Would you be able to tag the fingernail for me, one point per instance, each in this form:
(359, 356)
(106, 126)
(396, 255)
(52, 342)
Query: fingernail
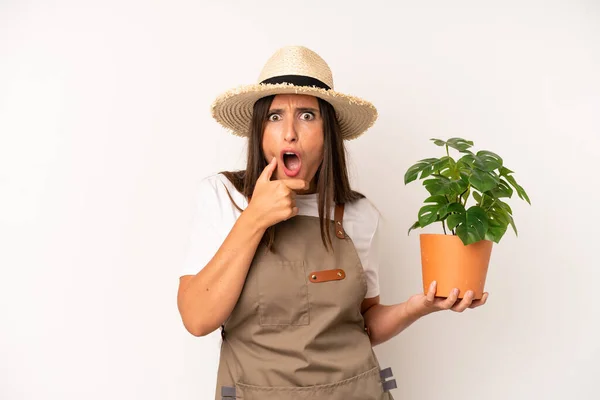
(434, 283)
(455, 291)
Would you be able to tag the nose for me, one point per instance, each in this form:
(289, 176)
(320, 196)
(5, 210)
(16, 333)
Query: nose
(290, 135)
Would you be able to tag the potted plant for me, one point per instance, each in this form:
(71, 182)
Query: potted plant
(460, 256)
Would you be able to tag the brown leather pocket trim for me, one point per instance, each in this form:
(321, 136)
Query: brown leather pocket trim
(327, 275)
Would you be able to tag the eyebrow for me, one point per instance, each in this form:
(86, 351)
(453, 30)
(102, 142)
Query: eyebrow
(299, 109)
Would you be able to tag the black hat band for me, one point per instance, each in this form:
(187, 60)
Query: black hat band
(296, 80)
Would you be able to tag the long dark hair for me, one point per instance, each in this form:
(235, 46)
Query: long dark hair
(333, 184)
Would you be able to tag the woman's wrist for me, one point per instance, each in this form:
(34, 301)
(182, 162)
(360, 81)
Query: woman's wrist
(413, 312)
(249, 220)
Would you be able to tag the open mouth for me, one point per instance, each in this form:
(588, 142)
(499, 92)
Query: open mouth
(291, 163)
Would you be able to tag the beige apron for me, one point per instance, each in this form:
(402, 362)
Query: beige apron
(296, 331)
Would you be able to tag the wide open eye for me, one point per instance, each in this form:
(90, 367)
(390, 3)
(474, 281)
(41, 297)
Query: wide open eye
(274, 117)
(307, 116)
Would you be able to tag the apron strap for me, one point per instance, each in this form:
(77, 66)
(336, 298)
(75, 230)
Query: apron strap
(228, 393)
(338, 217)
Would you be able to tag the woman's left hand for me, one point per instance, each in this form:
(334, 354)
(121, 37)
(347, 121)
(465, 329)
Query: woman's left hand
(420, 305)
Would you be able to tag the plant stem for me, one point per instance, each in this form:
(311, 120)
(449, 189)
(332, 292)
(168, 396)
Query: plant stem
(457, 200)
(461, 195)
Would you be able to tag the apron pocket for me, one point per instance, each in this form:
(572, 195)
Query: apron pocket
(283, 293)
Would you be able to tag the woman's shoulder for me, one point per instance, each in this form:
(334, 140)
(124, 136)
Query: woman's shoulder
(363, 212)
(216, 192)
(215, 183)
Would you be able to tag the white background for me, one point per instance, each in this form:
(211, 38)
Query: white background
(105, 131)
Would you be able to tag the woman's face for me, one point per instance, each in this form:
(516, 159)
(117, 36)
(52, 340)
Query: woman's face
(294, 134)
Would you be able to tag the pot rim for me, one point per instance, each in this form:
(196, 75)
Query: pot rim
(452, 236)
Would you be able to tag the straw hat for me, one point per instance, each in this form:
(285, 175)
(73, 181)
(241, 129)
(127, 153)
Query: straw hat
(298, 70)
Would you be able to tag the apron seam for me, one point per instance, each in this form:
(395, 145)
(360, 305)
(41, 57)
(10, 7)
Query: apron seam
(372, 371)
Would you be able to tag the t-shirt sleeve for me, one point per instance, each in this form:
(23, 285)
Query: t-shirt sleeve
(206, 234)
(372, 263)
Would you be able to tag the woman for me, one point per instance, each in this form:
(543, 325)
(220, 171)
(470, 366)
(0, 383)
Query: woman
(296, 295)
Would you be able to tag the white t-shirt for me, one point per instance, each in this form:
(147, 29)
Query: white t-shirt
(215, 215)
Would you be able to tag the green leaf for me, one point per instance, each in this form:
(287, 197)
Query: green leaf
(428, 170)
(438, 185)
(448, 208)
(442, 185)
(464, 174)
(456, 208)
(483, 180)
(505, 172)
(458, 186)
(500, 213)
(459, 144)
(452, 170)
(439, 142)
(497, 214)
(414, 226)
(458, 216)
(471, 226)
(487, 161)
(477, 219)
(499, 219)
(483, 160)
(513, 225)
(465, 163)
(441, 200)
(502, 190)
(413, 172)
(504, 206)
(486, 201)
(428, 214)
(446, 166)
(441, 165)
(443, 212)
(495, 232)
(520, 191)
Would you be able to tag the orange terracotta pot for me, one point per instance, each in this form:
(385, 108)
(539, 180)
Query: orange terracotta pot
(445, 259)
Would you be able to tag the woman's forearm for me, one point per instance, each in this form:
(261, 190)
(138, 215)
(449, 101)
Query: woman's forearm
(384, 322)
(206, 300)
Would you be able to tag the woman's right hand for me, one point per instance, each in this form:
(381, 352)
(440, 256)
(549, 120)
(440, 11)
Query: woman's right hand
(421, 304)
(274, 201)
